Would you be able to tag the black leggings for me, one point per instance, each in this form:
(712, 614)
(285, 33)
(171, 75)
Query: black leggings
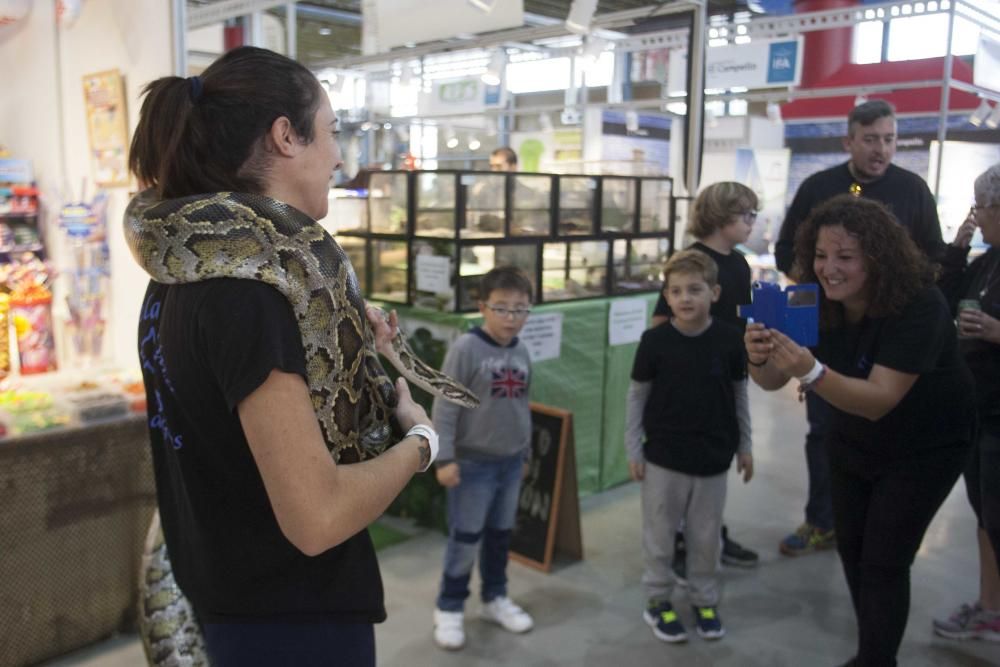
(880, 516)
(299, 644)
(982, 482)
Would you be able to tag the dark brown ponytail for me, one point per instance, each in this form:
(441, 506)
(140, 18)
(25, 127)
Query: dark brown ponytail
(205, 135)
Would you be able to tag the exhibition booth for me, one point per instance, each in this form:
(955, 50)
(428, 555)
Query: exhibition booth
(609, 165)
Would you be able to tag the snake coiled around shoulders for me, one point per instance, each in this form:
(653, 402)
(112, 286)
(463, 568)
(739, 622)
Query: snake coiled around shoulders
(254, 237)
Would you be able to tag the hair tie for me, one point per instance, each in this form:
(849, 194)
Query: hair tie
(194, 88)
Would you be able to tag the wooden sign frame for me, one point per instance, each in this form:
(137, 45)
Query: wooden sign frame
(562, 521)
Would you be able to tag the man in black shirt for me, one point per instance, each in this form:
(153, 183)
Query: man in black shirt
(869, 173)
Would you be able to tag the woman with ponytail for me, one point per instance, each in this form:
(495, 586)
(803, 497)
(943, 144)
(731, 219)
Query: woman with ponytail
(265, 530)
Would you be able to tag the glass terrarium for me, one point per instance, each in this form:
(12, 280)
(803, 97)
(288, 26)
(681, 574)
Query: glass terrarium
(485, 205)
(355, 247)
(389, 270)
(477, 259)
(576, 205)
(388, 198)
(433, 285)
(618, 204)
(435, 195)
(638, 264)
(531, 206)
(347, 211)
(654, 204)
(574, 270)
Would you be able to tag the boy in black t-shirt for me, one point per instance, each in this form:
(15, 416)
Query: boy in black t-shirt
(688, 401)
(722, 218)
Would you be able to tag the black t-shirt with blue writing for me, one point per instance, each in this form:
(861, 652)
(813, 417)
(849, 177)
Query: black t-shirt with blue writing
(205, 347)
(937, 411)
(690, 415)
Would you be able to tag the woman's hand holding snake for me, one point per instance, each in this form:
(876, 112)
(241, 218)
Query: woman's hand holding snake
(408, 412)
(384, 326)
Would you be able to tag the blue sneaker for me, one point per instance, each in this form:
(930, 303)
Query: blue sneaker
(663, 619)
(709, 623)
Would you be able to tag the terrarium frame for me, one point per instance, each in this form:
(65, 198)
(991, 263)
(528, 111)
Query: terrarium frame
(479, 222)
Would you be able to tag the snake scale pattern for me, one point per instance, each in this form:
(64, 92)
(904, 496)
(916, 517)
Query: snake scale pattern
(254, 237)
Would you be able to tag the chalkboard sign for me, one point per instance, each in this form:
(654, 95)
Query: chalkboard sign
(548, 511)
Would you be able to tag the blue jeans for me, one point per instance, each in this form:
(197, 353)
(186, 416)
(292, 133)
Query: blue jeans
(819, 507)
(481, 509)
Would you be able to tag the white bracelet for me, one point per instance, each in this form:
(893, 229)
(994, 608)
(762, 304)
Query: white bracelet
(431, 436)
(812, 375)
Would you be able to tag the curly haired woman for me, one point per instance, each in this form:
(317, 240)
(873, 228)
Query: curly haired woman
(888, 363)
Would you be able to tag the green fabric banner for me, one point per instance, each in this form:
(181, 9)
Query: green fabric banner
(589, 378)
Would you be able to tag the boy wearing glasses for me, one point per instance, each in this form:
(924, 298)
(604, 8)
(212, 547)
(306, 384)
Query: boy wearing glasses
(482, 457)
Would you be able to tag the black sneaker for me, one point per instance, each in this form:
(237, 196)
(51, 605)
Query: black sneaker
(734, 553)
(662, 618)
(709, 623)
(679, 564)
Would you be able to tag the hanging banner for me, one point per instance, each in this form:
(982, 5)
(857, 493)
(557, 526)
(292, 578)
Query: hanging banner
(468, 95)
(762, 63)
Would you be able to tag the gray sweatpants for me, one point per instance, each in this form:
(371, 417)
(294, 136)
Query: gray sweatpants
(671, 499)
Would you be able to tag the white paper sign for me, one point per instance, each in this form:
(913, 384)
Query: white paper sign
(433, 273)
(542, 333)
(626, 321)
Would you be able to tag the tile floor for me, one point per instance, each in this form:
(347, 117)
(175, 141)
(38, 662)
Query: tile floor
(785, 612)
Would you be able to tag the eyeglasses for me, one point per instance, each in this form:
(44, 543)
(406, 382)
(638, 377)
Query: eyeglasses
(516, 313)
(977, 207)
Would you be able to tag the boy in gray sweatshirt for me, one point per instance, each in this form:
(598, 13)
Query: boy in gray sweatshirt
(482, 456)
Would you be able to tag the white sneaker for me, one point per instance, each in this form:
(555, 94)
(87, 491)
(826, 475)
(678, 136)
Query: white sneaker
(449, 629)
(508, 615)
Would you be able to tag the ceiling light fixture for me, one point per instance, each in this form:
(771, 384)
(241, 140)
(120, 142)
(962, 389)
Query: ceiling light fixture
(774, 112)
(581, 13)
(631, 121)
(993, 121)
(981, 113)
(494, 70)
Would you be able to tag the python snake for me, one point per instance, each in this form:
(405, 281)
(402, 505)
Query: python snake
(248, 236)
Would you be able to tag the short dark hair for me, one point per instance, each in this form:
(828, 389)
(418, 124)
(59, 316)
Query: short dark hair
(691, 261)
(205, 134)
(869, 112)
(507, 153)
(896, 267)
(504, 277)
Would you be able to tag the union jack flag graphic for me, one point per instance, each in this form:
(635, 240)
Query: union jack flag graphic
(509, 383)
